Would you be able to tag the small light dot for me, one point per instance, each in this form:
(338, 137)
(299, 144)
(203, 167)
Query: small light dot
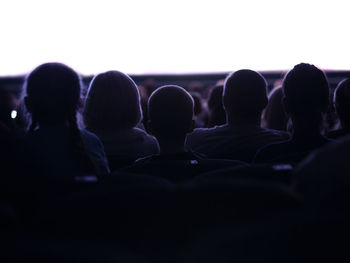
(13, 114)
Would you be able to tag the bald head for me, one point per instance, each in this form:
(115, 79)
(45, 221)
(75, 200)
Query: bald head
(342, 101)
(170, 110)
(244, 94)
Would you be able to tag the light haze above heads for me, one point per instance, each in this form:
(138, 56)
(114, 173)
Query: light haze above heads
(163, 36)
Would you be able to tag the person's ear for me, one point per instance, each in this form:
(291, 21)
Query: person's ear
(28, 103)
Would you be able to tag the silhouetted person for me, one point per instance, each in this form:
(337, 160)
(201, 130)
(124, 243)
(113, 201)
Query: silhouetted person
(112, 111)
(170, 111)
(244, 99)
(217, 114)
(306, 95)
(8, 112)
(274, 116)
(342, 107)
(199, 113)
(52, 97)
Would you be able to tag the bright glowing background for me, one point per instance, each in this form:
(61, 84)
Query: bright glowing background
(161, 36)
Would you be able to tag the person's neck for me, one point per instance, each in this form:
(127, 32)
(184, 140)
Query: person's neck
(171, 146)
(236, 120)
(306, 129)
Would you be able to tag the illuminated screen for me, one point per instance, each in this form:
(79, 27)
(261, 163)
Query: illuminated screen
(182, 36)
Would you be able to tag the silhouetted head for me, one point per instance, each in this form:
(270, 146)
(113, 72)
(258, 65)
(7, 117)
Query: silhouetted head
(342, 101)
(274, 116)
(112, 102)
(170, 110)
(52, 94)
(306, 92)
(217, 114)
(197, 100)
(244, 95)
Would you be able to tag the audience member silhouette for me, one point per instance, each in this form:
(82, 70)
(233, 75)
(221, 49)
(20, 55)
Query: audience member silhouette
(306, 95)
(323, 177)
(170, 111)
(8, 112)
(217, 114)
(274, 116)
(244, 98)
(112, 111)
(52, 97)
(342, 107)
(199, 113)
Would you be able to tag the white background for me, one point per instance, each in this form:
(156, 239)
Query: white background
(151, 36)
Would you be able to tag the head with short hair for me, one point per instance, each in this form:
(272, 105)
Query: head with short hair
(52, 93)
(342, 101)
(170, 110)
(244, 94)
(112, 102)
(306, 91)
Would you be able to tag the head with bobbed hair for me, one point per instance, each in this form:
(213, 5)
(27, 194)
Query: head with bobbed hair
(306, 91)
(274, 116)
(342, 101)
(244, 95)
(217, 114)
(112, 102)
(170, 110)
(52, 94)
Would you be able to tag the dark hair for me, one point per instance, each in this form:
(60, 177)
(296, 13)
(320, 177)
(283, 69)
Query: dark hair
(245, 93)
(113, 102)
(197, 100)
(217, 114)
(274, 116)
(53, 94)
(306, 90)
(342, 100)
(170, 110)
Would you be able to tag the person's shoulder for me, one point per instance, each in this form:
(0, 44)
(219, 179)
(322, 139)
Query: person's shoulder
(149, 141)
(337, 134)
(199, 132)
(144, 134)
(270, 151)
(91, 140)
(281, 134)
(89, 136)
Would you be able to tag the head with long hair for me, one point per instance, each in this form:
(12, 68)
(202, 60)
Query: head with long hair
(52, 94)
(112, 102)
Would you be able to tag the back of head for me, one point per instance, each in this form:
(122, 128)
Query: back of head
(306, 91)
(52, 93)
(170, 110)
(245, 94)
(342, 101)
(197, 99)
(217, 115)
(113, 102)
(215, 97)
(274, 116)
